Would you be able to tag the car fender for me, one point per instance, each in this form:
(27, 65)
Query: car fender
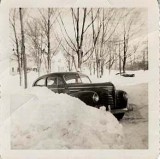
(86, 97)
(121, 99)
(120, 93)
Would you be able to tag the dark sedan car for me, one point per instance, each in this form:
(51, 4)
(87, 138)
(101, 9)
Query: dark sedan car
(93, 94)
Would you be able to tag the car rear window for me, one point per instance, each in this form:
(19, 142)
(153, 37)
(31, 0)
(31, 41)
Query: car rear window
(40, 82)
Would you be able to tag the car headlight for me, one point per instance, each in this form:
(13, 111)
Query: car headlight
(95, 97)
(125, 95)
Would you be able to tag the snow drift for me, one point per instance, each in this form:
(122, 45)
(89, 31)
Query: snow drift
(41, 119)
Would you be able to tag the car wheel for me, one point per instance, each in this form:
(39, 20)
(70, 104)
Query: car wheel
(119, 116)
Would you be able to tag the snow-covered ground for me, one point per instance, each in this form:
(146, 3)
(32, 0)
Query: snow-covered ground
(42, 120)
(135, 123)
(141, 76)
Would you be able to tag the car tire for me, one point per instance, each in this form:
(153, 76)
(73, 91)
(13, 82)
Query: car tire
(119, 116)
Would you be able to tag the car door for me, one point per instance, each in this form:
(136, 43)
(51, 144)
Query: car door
(62, 87)
(52, 83)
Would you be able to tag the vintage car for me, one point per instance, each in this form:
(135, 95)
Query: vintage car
(93, 94)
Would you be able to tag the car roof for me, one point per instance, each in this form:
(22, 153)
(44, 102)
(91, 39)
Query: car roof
(62, 73)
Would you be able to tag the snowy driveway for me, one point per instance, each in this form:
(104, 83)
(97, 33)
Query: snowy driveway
(135, 123)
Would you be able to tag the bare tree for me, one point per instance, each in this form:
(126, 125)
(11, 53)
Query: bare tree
(80, 26)
(102, 34)
(119, 57)
(131, 26)
(13, 17)
(48, 18)
(23, 47)
(35, 39)
(95, 35)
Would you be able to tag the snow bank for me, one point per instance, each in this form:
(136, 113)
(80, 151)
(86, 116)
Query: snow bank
(46, 120)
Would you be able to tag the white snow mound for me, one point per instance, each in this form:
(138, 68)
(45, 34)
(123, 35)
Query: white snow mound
(41, 119)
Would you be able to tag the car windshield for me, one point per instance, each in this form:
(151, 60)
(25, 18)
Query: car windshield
(85, 79)
(76, 79)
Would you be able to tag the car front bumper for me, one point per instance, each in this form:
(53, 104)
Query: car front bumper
(122, 110)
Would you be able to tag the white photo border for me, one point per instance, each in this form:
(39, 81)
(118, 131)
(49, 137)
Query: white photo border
(153, 86)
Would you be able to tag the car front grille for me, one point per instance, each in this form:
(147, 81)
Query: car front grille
(108, 98)
(111, 101)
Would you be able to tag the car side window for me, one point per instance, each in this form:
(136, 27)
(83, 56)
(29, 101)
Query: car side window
(41, 82)
(70, 79)
(52, 81)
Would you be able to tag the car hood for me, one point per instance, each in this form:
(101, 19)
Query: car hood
(91, 85)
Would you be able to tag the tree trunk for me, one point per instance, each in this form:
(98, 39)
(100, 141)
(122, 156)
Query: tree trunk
(124, 56)
(18, 55)
(124, 64)
(90, 68)
(94, 68)
(39, 63)
(79, 65)
(144, 59)
(110, 61)
(48, 45)
(80, 54)
(97, 69)
(23, 49)
(20, 71)
(74, 63)
(102, 69)
(120, 69)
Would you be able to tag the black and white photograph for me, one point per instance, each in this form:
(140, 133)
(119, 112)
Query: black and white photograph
(79, 80)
